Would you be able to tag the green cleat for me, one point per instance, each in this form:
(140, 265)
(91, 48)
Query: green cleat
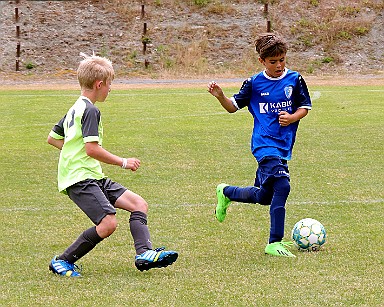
(222, 202)
(279, 249)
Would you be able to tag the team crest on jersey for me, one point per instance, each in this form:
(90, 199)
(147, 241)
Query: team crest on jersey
(288, 90)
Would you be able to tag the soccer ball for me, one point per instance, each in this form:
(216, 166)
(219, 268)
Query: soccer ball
(308, 235)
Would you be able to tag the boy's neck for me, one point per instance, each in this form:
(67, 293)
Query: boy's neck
(90, 94)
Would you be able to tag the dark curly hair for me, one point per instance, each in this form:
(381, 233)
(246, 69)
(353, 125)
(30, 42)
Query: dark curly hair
(270, 45)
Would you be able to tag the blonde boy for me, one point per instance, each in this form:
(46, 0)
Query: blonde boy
(79, 136)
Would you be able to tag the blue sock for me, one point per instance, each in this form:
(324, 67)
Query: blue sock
(251, 195)
(243, 195)
(281, 189)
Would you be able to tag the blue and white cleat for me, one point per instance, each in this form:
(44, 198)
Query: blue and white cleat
(158, 258)
(62, 267)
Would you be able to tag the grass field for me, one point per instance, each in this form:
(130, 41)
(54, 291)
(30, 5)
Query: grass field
(187, 145)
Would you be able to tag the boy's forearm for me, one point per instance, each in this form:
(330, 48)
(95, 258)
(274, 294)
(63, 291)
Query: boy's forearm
(226, 103)
(94, 150)
(54, 142)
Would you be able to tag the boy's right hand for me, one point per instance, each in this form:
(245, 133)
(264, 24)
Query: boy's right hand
(215, 89)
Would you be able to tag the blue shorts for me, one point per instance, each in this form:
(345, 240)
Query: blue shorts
(96, 198)
(270, 168)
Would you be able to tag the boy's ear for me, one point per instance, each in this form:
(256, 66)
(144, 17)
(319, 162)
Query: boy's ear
(261, 60)
(98, 84)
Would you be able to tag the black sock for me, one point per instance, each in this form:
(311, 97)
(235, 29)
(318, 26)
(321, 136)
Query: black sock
(83, 245)
(140, 232)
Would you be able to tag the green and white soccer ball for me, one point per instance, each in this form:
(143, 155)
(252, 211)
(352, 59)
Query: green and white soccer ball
(308, 235)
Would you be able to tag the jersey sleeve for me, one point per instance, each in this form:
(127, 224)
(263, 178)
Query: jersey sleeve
(243, 97)
(57, 131)
(301, 94)
(90, 124)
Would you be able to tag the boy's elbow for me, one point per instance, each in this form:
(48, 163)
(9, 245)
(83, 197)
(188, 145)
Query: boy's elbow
(305, 112)
(49, 140)
(91, 149)
(230, 108)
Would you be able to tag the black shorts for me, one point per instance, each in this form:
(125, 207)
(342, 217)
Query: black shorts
(96, 198)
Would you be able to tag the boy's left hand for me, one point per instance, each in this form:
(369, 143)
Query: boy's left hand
(133, 164)
(285, 118)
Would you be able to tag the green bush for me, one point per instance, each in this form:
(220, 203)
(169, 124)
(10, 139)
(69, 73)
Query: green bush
(29, 65)
(201, 2)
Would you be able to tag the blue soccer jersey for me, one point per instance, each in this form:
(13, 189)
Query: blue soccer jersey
(265, 97)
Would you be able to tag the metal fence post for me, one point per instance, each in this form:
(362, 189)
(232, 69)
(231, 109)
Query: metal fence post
(18, 46)
(144, 37)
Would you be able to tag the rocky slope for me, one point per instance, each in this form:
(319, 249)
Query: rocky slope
(182, 39)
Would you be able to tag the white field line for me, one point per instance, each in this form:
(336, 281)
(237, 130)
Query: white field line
(315, 95)
(61, 208)
(110, 95)
(134, 119)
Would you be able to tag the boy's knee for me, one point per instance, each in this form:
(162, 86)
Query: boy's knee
(113, 224)
(265, 199)
(107, 226)
(142, 206)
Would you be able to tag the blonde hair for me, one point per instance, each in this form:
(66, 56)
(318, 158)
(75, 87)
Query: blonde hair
(270, 45)
(93, 68)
